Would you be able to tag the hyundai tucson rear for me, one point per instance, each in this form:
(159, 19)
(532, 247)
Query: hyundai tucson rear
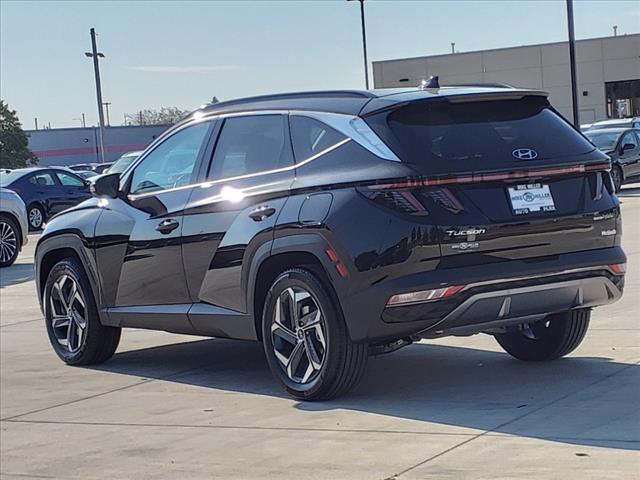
(336, 225)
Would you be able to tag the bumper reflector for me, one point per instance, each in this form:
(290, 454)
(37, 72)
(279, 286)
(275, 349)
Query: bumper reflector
(618, 268)
(424, 295)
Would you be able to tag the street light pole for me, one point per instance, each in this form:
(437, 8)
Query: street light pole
(106, 107)
(572, 62)
(96, 69)
(364, 44)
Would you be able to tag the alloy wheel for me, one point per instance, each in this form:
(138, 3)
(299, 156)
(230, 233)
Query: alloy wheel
(35, 218)
(8, 242)
(298, 334)
(68, 313)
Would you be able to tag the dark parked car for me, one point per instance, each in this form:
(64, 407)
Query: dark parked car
(623, 146)
(45, 191)
(332, 226)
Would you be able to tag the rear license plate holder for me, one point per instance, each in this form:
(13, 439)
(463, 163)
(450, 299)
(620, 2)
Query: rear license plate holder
(531, 198)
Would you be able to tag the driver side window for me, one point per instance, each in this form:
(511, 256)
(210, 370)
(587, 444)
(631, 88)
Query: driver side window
(171, 164)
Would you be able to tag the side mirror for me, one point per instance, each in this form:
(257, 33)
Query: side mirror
(106, 186)
(628, 146)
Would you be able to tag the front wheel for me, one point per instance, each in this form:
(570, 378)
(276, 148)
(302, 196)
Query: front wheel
(306, 340)
(617, 177)
(71, 316)
(551, 338)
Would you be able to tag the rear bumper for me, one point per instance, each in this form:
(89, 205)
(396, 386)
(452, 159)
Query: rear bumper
(497, 295)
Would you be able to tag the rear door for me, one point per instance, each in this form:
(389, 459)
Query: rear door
(233, 214)
(503, 179)
(48, 191)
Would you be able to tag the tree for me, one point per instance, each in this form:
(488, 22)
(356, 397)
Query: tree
(164, 116)
(14, 143)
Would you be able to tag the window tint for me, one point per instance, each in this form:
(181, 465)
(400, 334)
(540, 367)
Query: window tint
(311, 136)
(69, 180)
(445, 137)
(250, 144)
(42, 179)
(171, 163)
(630, 138)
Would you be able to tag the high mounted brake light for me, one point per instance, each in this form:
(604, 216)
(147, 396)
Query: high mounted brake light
(493, 177)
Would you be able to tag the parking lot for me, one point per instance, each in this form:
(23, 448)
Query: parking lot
(169, 406)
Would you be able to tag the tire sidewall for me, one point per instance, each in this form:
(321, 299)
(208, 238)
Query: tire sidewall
(620, 179)
(334, 330)
(69, 267)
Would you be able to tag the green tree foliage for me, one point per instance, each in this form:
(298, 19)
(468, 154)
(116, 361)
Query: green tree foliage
(164, 116)
(14, 149)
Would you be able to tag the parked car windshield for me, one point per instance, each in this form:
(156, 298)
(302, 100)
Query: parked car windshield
(603, 140)
(8, 177)
(121, 164)
(446, 137)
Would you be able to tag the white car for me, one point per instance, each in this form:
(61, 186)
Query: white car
(13, 226)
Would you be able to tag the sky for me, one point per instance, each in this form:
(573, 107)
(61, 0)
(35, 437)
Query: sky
(182, 53)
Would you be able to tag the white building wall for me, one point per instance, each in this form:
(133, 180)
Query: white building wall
(543, 66)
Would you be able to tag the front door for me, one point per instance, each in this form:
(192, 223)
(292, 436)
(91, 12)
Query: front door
(142, 252)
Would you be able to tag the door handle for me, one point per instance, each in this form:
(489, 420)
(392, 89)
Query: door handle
(262, 212)
(167, 226)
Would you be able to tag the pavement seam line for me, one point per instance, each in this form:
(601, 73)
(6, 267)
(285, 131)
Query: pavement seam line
(504, 424)
(235, 427)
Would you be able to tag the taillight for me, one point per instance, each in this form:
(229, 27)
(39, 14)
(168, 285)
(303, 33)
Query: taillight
(618, 268)
(422, 296)
(403, 200)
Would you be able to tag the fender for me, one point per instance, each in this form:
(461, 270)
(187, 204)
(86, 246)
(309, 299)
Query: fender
(76, 241)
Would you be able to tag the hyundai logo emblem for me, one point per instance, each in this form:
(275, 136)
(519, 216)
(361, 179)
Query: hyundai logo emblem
(525, 154)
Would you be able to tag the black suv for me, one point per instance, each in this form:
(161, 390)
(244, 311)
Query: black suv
(336, 225)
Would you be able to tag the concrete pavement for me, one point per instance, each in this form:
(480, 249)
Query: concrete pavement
(169, 406)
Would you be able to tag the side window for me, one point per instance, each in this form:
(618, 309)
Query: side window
(250, 144)
(69, 180)
(171, 164)
(311, 136)
(630, 138)
(42, 179)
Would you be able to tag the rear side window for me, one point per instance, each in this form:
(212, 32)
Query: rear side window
(311, 136)
(250, 144)
(42, 179)
(444, 137)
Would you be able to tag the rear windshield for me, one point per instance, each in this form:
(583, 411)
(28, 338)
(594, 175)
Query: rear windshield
(444, 137)
(8, 177)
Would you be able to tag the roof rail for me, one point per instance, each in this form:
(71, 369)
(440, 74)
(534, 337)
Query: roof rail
(295, 95)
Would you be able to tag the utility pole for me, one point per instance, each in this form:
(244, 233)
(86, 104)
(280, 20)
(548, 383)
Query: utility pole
(106, 107)
(453, 47)
(364, 44)
(84, 121)
(36, 119)
(96, 69)
(615, 30)
(572, 62)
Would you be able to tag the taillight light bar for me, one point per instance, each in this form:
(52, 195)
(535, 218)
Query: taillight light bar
(424, 295)
(492, 177)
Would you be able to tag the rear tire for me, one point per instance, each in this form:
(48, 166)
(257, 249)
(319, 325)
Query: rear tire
(35, 216)
(551, 338)
(306, 340)
(71, 316)
(10, 241)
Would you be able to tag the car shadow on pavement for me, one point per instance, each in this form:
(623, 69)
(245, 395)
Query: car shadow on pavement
(16, 273)
(577, 400)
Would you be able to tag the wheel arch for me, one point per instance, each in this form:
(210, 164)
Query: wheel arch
(51, 250)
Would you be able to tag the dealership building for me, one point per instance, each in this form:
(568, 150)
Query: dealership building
(608, 73)
(68, 146)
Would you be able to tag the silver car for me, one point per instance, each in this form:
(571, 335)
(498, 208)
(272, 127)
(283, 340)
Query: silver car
(13, 226)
